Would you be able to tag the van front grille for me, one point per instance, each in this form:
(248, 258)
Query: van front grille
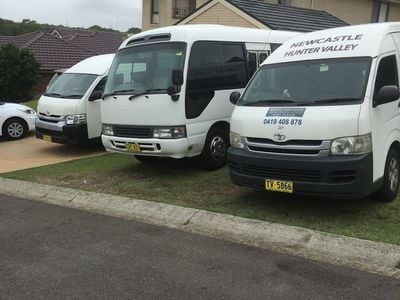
(132, 131)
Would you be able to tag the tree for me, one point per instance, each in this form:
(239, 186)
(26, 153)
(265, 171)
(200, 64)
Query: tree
(134, 30)
(18, 73)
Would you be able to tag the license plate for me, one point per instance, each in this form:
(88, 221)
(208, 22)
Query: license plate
(134, 148)
(47, 138)
(279, 186)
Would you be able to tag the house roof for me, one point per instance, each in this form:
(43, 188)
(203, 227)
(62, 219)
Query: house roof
(282, 17)
(54, 52)
(51, 52)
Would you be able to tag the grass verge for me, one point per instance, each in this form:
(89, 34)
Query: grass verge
(184, 183)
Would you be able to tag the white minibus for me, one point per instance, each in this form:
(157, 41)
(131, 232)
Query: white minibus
(322, 116)
(167, 94)
(69, 111)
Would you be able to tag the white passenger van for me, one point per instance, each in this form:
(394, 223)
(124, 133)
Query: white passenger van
(69, 111)
(168, 89)
(321, 116)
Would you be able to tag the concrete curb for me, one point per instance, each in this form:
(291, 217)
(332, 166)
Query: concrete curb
(374, 257)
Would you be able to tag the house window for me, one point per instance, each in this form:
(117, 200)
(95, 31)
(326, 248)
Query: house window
(285, 2)
(155, 11)
(380, 11)
(383, 12)
(182, 8)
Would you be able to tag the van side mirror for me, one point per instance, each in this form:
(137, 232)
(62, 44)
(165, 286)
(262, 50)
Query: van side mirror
(386, 94)
(177, 77)
(95, 95)
(234, 97)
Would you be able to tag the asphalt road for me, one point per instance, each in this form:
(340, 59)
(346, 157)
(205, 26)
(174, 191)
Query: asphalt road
(53, 252)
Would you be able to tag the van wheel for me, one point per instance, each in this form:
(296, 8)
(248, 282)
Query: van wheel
(390, 187)
(146, 159)
(15, 129)
(215, 149)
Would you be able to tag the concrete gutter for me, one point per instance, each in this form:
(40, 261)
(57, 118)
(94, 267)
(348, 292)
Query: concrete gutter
(369, 256)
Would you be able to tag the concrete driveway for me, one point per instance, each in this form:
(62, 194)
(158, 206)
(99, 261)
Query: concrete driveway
(31, 152)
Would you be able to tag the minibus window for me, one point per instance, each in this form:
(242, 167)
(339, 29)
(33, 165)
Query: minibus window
(387, 73)
(213, 66)
(314, 82)
(145, 68)
(252, 58)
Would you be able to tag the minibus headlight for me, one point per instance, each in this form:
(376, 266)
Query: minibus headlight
(107, 129)
(236, 140)
(75, 119)
(352, 145)
(178, 132)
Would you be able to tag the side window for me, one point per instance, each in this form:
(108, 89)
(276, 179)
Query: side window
(205, 67)
(263, 56)
(234, 66)
(387, 73)
(100, 86)
(252, 58)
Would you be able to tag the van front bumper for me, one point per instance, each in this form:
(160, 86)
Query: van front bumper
(332, 176)
(69, 134)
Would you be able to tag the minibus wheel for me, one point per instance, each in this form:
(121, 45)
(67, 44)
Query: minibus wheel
(15, 129)
(146, 159)
(390, 187)
(215, 149)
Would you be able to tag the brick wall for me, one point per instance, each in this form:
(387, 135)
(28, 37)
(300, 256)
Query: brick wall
(219, 14)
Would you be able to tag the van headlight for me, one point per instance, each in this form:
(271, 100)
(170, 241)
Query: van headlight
(352, 145)
(236, 140)
(75, 119)
(107, 129)
(177, 132)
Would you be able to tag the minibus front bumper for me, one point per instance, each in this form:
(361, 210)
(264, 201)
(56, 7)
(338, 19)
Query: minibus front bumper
(174, 148)
(332, 176)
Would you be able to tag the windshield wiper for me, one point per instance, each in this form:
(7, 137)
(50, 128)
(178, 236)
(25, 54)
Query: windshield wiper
(146, 92)
(266, 102)
(52, 95)
(71, 96)
(119, 92)
(327, 101)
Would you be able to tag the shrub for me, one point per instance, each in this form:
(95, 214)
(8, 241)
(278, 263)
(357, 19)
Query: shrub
(18, 73)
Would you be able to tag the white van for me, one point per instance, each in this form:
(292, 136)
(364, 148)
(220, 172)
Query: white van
(321, 116)
(69, 111)
(168, 89)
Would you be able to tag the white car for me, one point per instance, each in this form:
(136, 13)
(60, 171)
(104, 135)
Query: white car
(16, 120)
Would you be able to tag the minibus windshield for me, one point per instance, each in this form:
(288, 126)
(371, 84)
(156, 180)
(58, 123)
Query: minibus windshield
(70, 85)
(145, 69)
(313, 82)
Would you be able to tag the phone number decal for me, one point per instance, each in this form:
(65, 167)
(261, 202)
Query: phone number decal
(283, 121)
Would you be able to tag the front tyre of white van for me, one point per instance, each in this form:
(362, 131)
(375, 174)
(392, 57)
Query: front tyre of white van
(215, 148)
(391, 178)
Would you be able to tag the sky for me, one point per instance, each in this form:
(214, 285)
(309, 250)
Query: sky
(116, 14)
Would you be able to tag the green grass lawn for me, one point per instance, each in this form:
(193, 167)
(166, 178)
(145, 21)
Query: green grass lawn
(32, 104)
(184, 183)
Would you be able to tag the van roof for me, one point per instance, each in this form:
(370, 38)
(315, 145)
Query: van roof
(98, 65)
(348, 41)
(191, 33)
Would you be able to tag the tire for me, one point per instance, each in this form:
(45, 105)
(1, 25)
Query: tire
(146, 159)
(391, 182)
(14, 129)
(215, 149)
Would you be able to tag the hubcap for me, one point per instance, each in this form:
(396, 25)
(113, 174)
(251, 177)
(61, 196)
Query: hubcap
(393, 174)
(217, 148)
(15, 130)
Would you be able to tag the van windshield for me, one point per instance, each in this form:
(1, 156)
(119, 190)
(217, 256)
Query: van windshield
(315, 82)
(145, 68)
(70, 85)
